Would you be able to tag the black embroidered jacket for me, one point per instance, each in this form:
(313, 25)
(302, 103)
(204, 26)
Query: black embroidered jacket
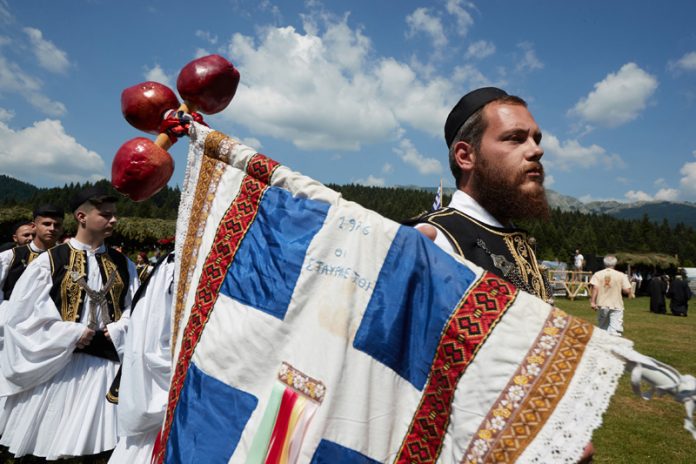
(505, 252)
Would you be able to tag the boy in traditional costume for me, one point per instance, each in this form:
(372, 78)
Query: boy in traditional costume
(65, 326)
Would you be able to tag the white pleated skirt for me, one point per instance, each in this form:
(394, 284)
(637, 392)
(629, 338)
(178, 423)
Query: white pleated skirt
(66, 416)
(135, 449)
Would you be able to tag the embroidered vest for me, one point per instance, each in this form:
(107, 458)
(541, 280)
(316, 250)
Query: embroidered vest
(21, 257)
(505, 252)
(67, 265)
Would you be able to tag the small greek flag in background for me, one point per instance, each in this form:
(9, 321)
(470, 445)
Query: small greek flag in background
(437, 204)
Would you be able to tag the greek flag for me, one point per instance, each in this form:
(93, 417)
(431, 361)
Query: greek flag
(310, 329)
(437, 204)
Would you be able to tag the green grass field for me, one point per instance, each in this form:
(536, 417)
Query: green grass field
(635, 430)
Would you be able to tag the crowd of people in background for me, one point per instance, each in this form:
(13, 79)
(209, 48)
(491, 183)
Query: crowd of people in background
(660, 286)
(23, 232)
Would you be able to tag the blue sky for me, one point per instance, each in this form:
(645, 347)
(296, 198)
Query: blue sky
(358, 91)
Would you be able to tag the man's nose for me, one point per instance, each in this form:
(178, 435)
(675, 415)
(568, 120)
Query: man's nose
(535, 152)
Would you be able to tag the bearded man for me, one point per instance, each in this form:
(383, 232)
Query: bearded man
(495, 157)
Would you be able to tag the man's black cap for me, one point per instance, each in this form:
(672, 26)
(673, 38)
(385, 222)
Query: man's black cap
(49, 211)
(94, 194)
(467, 106)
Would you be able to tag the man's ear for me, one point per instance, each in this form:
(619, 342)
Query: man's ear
(464, 156)
(80, 216)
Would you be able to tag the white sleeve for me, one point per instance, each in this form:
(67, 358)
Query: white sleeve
(119, 329)
(147, 358)
(440, 240)
(38, 343)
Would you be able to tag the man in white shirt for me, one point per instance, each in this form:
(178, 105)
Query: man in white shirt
(608, 287)
(43, 232)
(64, 332)
(46, 229)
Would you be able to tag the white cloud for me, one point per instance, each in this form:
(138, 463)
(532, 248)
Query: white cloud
(157, 74)
(410, 155)
(688, 181)
(387, 168)
(617, 99)
(5, 15)
(529, 61)
(570, 153)
(50, 57)
(685, 63)
(665, 194)
(6, 115)
(469, 77)
(252, 142)
(273, 10)
(371, 181)
(207, 36)
(421, 21)
(45, 152)
(659, 182)
(480, 49)
(421, 105)
(464, 19)
(201, 52)
(549, 180)
(13, 79)
(637, 195)
(322, 90)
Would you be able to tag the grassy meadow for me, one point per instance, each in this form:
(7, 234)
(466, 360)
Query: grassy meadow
(635, 430)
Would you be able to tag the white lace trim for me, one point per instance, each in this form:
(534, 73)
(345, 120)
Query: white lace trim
(197, 134)
(579, 413)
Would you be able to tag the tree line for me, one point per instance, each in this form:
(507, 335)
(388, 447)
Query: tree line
(556, 238)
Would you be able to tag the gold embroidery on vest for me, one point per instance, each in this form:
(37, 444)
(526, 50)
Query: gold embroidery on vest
(70, 291)
(32, 256)
(118, 286)
(526, 262)
(516, 243)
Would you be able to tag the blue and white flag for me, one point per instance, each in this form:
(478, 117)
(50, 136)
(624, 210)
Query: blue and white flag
(437, 204)
(310, 329)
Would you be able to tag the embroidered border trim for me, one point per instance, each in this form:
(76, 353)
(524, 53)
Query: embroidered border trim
(467, 330)
(118, 286)
(298, 381)
(70, 293)
(230, 233)
(536, 408)
(208, 180)
(262, 168)
(533, 367)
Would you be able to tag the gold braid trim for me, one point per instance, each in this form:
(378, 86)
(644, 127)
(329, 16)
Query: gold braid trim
(516, 242)
(70, 291)
(32, 256)
(208, 179)
(520, 249)
(118, 286)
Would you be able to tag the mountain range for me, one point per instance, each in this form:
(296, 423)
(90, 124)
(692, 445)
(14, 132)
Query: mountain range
(16, 191)
(656, 211)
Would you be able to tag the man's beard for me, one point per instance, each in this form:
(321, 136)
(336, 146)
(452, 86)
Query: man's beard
(503, 198)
